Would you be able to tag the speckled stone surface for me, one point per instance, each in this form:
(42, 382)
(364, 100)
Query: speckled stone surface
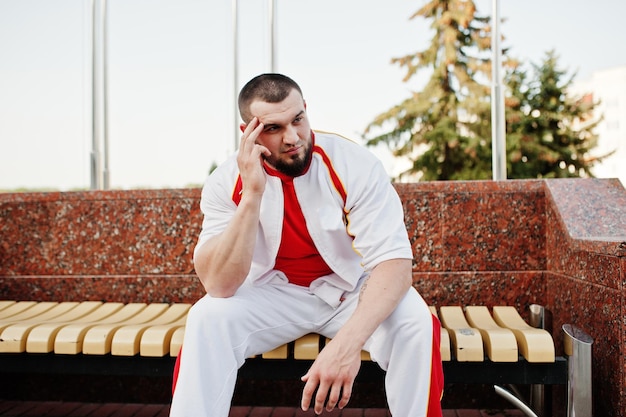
(99, 233)
(586, 253)
(476, 226)
(560, 243)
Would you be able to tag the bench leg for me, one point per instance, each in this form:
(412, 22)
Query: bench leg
(538, 401)
(577, 345)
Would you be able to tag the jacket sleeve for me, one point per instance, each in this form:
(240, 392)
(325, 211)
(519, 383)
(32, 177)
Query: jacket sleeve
(216, 203)
(375, 216)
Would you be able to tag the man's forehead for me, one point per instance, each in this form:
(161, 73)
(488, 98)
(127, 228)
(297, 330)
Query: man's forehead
(290, 107)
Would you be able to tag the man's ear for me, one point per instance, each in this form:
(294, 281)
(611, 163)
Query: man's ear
(242, 127)
(304, 101)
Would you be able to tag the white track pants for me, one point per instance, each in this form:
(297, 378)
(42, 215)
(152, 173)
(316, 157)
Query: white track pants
(222, 332)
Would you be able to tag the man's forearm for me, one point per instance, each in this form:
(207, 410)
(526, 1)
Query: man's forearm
(380, 294)
(223, 262)
(333, 372)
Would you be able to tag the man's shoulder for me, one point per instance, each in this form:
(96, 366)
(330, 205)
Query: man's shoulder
(330, 138)
(348, 160)
(338, 145)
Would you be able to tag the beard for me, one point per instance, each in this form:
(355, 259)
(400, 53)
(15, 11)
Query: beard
(296, 165)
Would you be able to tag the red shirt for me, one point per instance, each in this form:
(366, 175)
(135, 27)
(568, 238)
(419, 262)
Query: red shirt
(297, 257)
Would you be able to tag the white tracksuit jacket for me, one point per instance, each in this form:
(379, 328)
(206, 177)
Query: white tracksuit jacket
(352, 211)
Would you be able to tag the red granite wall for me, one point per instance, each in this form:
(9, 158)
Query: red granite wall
(560, 243)
(102, 245)
(586, 276)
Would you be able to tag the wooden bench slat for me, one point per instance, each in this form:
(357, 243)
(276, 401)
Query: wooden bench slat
(307, 347)
(69, 340)
(281, 352)
(156, 340)
(126, 339)
(535, 345)
(43, 337)
(4, 304)
(97, 340)
(14, 338)
(499, 343)
(467, 342)
(444, 343)
(177, 341)
(13, 334)
(29, 312)
(16, 308)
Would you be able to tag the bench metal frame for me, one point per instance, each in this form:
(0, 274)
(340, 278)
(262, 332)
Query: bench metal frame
(487, 372)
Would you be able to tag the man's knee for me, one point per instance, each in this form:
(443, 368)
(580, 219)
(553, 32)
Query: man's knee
(209, 309)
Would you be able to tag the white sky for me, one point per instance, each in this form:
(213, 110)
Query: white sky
(171, 74)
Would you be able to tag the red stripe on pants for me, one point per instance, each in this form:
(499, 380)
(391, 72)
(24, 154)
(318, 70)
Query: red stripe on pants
(176, 370)
(436, 373)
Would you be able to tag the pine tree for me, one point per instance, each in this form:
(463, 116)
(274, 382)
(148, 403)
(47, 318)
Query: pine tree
(445, 129)
(434, 127)
(549, 132)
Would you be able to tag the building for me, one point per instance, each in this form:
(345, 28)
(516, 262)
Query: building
(609, 88)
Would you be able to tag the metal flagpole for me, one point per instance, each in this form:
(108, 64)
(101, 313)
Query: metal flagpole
(498, 122)
(105, 98)
(96, 177)
(272, 29)
(235, 75)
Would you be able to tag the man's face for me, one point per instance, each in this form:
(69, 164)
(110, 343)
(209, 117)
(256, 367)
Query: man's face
(286, 133)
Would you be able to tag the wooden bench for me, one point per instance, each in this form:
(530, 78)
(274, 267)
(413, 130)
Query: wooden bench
(94, 338)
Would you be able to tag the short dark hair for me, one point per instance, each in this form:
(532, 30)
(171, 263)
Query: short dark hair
(271, 88)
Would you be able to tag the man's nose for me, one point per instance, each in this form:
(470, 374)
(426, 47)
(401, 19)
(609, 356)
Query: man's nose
(291, 136)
